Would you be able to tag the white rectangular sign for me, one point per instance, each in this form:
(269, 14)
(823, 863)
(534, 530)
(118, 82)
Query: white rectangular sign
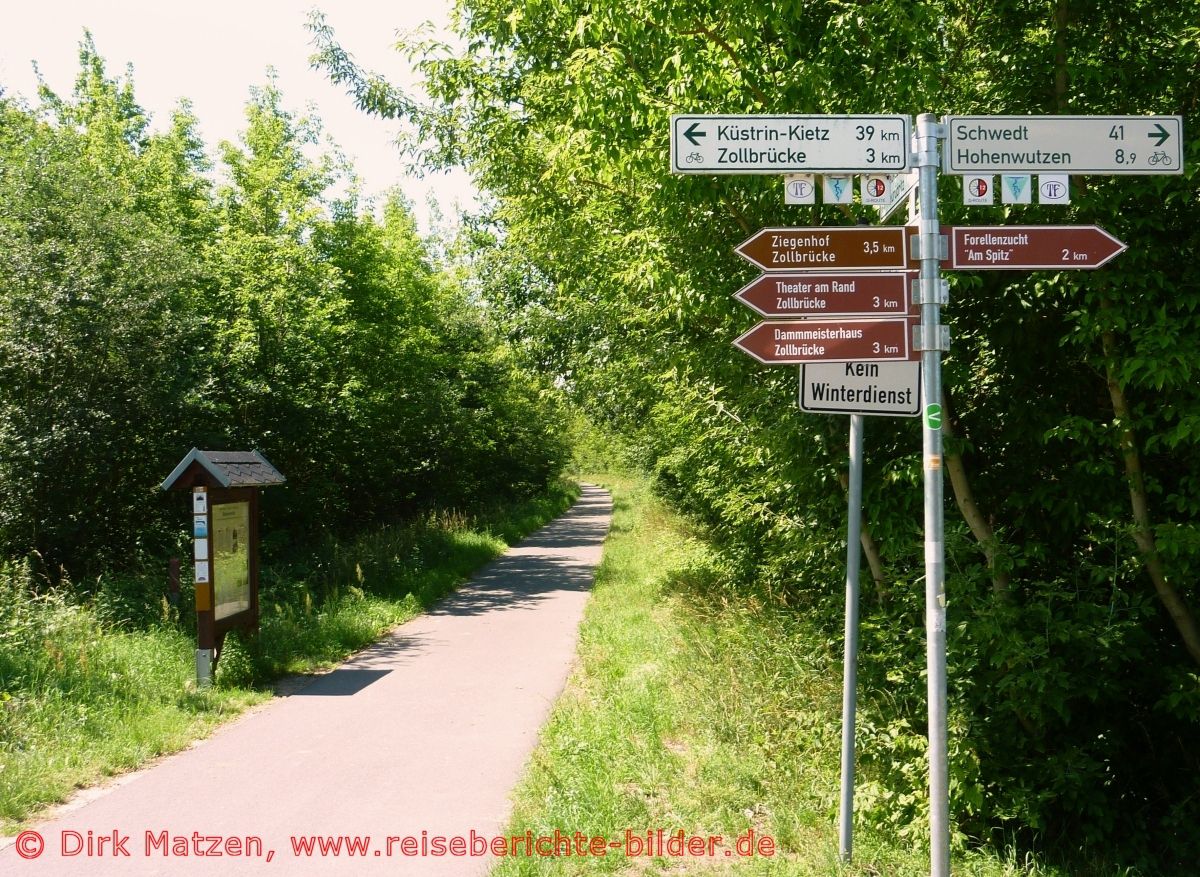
(886, 388)
(1064, 144)
(751, 144)
(902, 184)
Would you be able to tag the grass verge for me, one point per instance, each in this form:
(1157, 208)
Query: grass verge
(85, 694)
(693, 708)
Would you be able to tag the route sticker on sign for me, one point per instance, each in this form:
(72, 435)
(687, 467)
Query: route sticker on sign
(1054, 189)
(876, 189)
(799, 189)
(1016, 189)
(978, 191)
(837, 189)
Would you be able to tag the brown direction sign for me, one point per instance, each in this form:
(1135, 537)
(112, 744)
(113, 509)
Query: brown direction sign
(827, 295)
(1026, 247)
(827, 249)
(1032, 247)
(789, 342)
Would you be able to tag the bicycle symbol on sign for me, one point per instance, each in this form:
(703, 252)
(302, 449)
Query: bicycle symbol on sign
(694, 158)
(1158, 158)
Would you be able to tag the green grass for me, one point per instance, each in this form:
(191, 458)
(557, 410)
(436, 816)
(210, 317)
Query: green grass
(85, 693)
(698, 709)
(79, 702)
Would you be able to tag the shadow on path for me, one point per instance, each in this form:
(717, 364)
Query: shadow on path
(551, 560)
(546, 562)
(343, 682)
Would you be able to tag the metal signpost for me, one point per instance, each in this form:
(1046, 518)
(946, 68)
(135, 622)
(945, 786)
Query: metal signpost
(871, 373)
(930, 296)
(788, 144)
(850, 648)
(863, 362)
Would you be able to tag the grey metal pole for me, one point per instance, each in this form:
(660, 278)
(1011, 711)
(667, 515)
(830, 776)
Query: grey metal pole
(929, 131)
(204, 673)
(850, 659)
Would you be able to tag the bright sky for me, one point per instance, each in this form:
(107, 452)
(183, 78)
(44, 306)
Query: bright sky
(212, 52)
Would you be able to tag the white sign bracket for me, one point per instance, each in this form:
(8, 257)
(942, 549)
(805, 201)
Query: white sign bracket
(930, 292)
(942, 342)
(931, 247)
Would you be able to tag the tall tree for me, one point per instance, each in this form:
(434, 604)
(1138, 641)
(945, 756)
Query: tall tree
(95, 306)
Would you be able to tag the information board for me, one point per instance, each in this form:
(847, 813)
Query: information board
(231, 558)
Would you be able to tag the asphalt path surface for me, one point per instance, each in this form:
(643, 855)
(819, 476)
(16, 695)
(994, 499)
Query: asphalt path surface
(422, 735)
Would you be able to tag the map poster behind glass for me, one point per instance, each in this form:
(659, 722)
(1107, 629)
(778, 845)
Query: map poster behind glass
(231, 557)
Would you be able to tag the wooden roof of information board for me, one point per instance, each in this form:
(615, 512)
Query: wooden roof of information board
(229, 468)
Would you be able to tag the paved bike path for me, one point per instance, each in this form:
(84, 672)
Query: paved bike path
(426, 731)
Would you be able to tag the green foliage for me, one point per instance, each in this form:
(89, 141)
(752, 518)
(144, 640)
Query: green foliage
(143, 312)
(696, 706)
(94, 309)
(1071, 696)
(80, 699)
(234, 667)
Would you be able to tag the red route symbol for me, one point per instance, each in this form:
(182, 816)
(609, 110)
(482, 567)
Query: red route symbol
(979, 187)
(876, 187)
